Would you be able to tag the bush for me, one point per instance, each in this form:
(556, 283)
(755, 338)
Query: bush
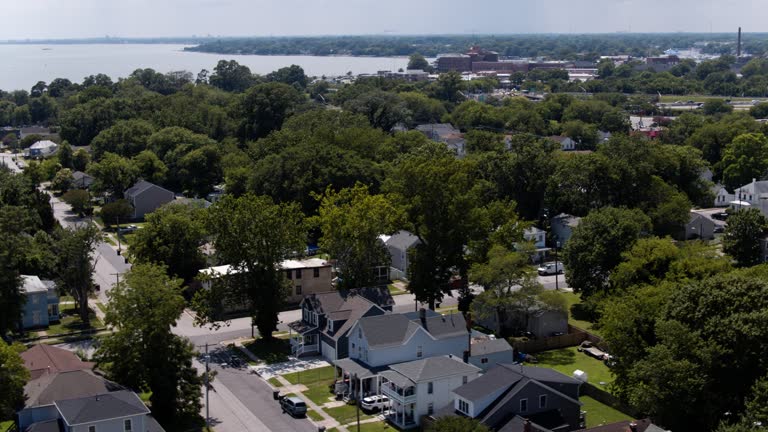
(80, 200)
(114, 212)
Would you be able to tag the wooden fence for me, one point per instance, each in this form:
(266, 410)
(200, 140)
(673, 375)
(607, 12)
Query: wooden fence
(574, 337)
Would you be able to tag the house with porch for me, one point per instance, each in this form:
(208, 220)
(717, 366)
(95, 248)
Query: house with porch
(327, 317)
(538, 237)
(377, 342)
(41, 306)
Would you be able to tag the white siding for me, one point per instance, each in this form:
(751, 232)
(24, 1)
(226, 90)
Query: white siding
(407, 352)
(115, 425)
(442, 394)
(328, 352)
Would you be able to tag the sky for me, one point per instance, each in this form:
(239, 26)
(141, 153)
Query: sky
(58, 19)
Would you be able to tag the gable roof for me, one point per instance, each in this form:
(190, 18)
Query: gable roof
(41, 359)
(395, 329)
(642, 425)
(506, 375)
(490, 346)
(333, 301)
(43, 144)
(433, 367)
(101, 407)
(142, 186)
(32, 284)
(66, 385)
(402, 240)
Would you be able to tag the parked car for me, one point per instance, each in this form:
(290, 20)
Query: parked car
(591, 350)
(719, 229)
(294, 406)
(720, 216)
(374, 403)
(550, 268)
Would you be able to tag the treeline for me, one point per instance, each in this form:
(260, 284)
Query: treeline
(553, 46)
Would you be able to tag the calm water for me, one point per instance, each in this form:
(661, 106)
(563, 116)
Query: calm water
(21, 66)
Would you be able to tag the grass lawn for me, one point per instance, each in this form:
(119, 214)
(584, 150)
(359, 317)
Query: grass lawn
(393, 290)
(101, 307)
(317, 381)
(274, 351)
(71, 322)
(314, 415)
(346, 414)
(275, 382)
(599, 414)
(380, 426)
(567, 360)
(4, 425)
(575, 315)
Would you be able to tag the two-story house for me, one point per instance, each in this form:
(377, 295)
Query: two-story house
(146, 197)
(41, 306)
(398, 245)
(417, 388)
(509, 392)
(753, 195)
(327, 317)
(539, 239)
(376, 342)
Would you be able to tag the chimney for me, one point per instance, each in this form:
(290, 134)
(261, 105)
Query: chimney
(527, 426)
(738, 47)
(423, 317)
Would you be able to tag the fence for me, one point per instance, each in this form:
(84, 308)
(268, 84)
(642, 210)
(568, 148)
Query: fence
(606, 398)
(574, 337)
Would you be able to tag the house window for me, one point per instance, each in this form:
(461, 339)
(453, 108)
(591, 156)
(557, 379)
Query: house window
(463, 406)
(298, 273)
(35, 299)
(419, 352)
(353, 345)
(91, 428)
(359, 333)
(430, 388)
(316, 272)
(523, 405)
(127, 426)
(288, 273)
(464, 379)
(430, 408)
(484, 360)
(298, 289)
(543, 401)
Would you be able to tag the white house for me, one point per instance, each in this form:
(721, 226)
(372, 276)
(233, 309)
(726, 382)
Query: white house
(398, 245)
(754, 194)
(566, 143)
(42, 148)
(539, 239)
(417, 388)
(723, 198)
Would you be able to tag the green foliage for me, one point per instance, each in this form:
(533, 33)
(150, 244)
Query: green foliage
(231, 76)
(126, 138)
(64, 154)
(264, 108)
(417, 61)
(351, 221)
(63, 180)
(80, 160)
(292, 75)
(742, 236)
(457, 424)
(74, 267)
(116, 211)
(150, 167)
(143, 353)
(79, 199)
(744, 159)
(716, 106)
(384, 110)
(14, 376)
(422, 108)
(113, 174)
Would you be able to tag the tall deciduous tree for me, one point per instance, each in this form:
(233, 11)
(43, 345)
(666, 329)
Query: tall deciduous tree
(351, 221)
(114, 174)
(13, 377)
(264, 108)
(417, 61)
(253, 235)
(742, 236)
(74, 267)
(143, 353)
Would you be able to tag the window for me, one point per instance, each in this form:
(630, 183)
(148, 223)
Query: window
(127, 426)
(543, 401)
(298, 289)
(523, 405)
(419, 351)
(316, 272)
(430, 388)
(463, 406)
(35, 299)
(359, 333)
(464, 379)
(91, 428)
(430, 408)
(484, 360)
(298, 273)
(353, 345)
(288, 273)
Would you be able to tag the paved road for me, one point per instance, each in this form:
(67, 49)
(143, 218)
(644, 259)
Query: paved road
(8, 160)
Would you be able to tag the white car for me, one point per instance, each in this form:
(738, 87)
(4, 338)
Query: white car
(374, 403)
(550, 269)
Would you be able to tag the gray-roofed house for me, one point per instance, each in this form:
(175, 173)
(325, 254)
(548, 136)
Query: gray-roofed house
(82, 180)
(486, 353)
(562, 227)
(42, 302)
(398, 245)
(327, 317)
(146, 197)
(508, 392)
(417, 388)
(698, 227)
(447, 134)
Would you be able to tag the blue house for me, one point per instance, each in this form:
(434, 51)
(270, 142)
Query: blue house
(42, 302)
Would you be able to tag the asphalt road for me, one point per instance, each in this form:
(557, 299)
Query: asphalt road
(7, 159)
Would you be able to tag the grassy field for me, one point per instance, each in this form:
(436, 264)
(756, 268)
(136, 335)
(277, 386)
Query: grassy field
(567, 360)
(599, 414)
(346, 414)
(275, 351)
(380, 426)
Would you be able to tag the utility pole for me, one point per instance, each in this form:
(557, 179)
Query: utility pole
(119, 248)
(117, 276)
(207, 388)
(357, 400)
(557, 271)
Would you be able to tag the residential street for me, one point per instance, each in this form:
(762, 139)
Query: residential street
(7, 159)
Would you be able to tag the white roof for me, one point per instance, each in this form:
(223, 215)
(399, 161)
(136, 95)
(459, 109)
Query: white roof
(43, 144)
(286, 265)
(33, 284)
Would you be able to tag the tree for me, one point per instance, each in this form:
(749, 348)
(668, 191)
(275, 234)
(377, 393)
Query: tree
(126, 138)
(114, 174)
(264, 108)
(423, 109)
(231, 76)
(759, 111)
(744, 159)
(257, 237)
(448, 87)
(116, 211)
(384, 110)
(172, 237)
(63, 181)
(74, 267)
(594, 250)
(13, 376)
(11, 298)
(80, 160)
(457, 424)
(150, 167)
(351, 221)
(65, 155)
(199, 170)
(417, 61)
(79, 199)
(292, 75)
(742, 236)
(716, 106)
(142, 353)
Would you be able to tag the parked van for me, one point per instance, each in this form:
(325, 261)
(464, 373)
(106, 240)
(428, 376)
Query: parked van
(550, 268)
(294, 406)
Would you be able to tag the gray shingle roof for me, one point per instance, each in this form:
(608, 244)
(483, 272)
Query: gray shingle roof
(101, 407)
(45, 426)
(395, 329)
(32, 284)
(490, 346)
(495, 379)
(433, 367)
(141, 186)
(402, 240)
(66, 385)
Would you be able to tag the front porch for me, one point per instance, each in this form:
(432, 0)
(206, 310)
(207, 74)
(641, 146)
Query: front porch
(304, 339)
(356, 380)
(401, 391)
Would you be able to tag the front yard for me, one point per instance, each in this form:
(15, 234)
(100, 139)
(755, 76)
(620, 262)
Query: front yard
(346, 414)
(599, 414)
(70, 322)
(317, 381)
(567, 360)
(270, 352)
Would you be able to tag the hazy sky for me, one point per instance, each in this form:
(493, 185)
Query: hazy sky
(36, 19)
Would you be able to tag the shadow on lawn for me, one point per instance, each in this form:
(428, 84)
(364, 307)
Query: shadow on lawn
(557, 357)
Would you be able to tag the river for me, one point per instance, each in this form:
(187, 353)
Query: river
(21, 66)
